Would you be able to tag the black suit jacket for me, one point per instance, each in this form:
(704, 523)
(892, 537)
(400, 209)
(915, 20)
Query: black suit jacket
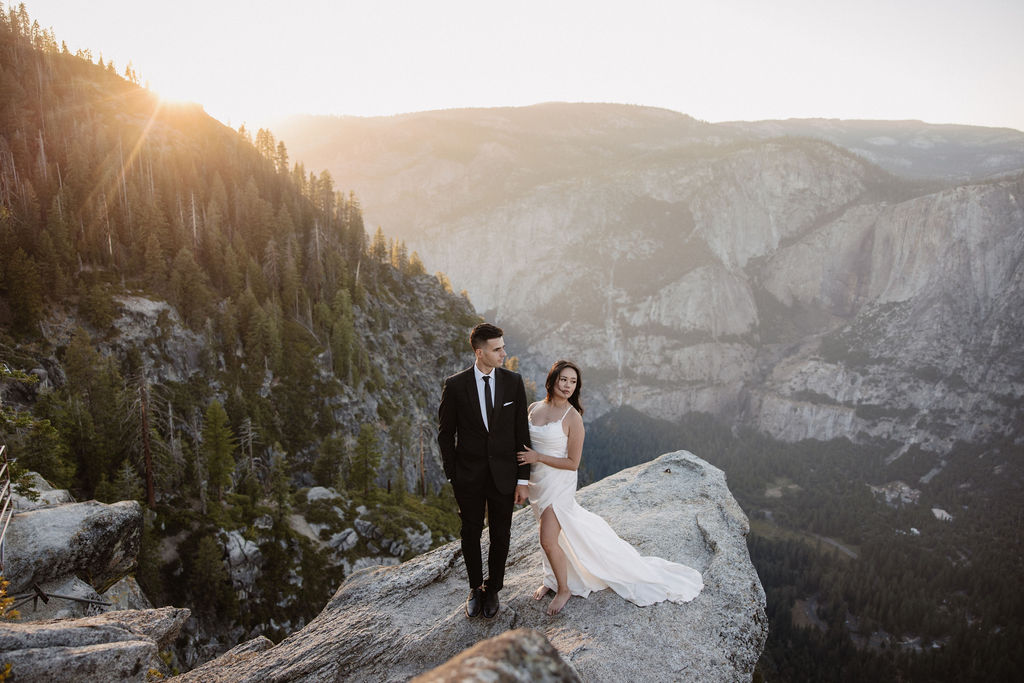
(469, 452)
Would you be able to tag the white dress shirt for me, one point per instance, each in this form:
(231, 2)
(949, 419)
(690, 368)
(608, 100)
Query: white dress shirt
(480, 392)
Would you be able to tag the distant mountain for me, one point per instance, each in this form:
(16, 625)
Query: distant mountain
(466, 160)
(786, 283)
(912, 149)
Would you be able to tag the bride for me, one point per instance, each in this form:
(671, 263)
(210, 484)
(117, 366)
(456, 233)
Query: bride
(581, 552)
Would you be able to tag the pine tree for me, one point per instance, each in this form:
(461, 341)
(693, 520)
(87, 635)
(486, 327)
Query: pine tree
(343, 334)
(327, 468)
(189, 290)
(218, 448)
(127, 483)
(366, 458)
(212, 594)
(155, 264)
(86, 410)
(400, 256)
(278, 483)
(281, 158)
(379, 246)
(97, 307)
(24, 290)
(416, 267)
(401, 439)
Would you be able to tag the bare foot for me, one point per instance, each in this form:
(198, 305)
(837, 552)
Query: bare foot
(558, 602)
(540, 592)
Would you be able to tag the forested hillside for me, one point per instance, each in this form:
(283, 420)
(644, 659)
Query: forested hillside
(862, 585)
(212, 332)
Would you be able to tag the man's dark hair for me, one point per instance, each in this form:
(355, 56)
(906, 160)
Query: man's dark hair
(482, 333)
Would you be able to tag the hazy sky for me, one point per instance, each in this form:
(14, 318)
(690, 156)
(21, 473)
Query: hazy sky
(246, 61)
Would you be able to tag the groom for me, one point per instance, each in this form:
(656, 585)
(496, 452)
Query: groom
(481, 425)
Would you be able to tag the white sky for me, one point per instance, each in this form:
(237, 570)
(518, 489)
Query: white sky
(248, 61)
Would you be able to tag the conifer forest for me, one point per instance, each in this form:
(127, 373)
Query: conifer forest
(212, 332)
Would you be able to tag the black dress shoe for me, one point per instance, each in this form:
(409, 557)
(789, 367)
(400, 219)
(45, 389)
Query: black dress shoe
(475, 603)
(490, 604)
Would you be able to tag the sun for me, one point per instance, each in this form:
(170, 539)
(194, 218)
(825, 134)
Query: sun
(173, 91)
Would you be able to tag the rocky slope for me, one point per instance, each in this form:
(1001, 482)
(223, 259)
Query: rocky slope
(785, 283)
(391, 623)
(84, 551)
(115, 646)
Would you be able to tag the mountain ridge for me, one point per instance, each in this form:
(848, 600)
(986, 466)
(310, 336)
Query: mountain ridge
(690, 276)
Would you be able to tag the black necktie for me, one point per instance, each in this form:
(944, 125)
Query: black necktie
(488, 402)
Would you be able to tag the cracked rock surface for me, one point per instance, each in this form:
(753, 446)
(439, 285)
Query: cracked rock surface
(393, 623)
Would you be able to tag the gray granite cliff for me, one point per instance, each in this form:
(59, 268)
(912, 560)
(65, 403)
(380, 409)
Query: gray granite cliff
(393, 623)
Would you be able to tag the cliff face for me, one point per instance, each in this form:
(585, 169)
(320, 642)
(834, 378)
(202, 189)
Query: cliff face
(391, 623)
(928, 294)
(784, 283)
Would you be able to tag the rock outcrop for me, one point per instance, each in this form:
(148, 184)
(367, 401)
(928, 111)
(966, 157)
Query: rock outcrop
(521, 655)
(79, 555)
(115, 646)
(91, 540)
(45, 494)
(392, 623)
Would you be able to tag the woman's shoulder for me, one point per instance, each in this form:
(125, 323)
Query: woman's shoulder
(573, 417)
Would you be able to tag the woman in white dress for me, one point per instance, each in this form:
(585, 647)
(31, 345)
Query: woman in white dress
(581, 552)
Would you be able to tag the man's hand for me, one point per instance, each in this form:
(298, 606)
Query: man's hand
(522, 494)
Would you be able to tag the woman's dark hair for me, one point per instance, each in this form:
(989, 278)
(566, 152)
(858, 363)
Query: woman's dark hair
(482, 333)
(556, 370)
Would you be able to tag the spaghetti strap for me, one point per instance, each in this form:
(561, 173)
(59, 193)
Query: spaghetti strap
(566, 412)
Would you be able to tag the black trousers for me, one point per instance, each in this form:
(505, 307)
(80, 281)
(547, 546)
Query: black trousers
(474, 502)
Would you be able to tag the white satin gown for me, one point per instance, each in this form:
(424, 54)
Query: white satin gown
(597, 557)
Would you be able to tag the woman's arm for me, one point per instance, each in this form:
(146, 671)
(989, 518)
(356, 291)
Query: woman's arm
(575, 446)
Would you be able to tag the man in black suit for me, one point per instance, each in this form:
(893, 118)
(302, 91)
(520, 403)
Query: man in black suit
(481, 425)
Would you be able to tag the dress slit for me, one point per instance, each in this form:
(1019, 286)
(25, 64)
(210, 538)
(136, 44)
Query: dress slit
(597, 558)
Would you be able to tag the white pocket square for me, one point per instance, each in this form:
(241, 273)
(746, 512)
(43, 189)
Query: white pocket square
(508, 404)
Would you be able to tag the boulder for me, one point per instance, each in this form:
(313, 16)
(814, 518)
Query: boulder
(321, 493)
(123, 660)
(46, 494)
(344, 540)
(521, 655)
(58, 605)
(121, 646)
(91, 540)
(126, 594)
(419, 540)
(393, 623)
(244, 560)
